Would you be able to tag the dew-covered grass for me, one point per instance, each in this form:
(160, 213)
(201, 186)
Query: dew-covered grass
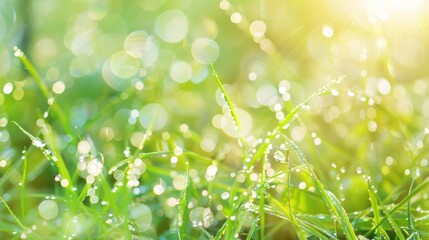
(205, 120)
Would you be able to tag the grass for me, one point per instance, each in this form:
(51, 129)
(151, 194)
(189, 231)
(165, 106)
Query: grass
(217, 202)
(272, 187)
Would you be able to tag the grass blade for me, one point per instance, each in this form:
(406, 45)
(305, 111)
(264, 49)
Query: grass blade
(55, 157)
(331, 201)
(411, 220)
(404, 201)
(20, 224)
(23, 182)
(290, 216)
(38, 79)
(376, 211)
(228, 101)
(183, 211)
(289, 117)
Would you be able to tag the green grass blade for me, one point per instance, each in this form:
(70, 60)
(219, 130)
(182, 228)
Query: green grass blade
(290, 216)
(250, 234)
(289, 117)
(183, 211)
(58, 161)
(141, 155)
(228, 101)
(38, 79)
(20, 224)
(404, 201)
(411, 220)
(331, 201)
(376, 211)
(262, 199)
(23, 183)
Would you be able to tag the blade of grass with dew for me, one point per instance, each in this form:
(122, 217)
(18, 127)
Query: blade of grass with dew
(57, 161)
(183, 211)
(210, 237)
(262, 199)
(316, 229)
(404, 201)
(289, 215)
(331, 201)
(20, 224)
(111, 199)
(147, 133)
(411, 220)
(376, 211)
(149, 168)
(38, 79)
(23, 183)
(141, 155)
(228, 223)
(395, 226)
(230, 105)
(311, 225)
(252, 230)
(289, 117)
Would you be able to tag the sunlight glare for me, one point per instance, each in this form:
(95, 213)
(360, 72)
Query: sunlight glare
(384, 10)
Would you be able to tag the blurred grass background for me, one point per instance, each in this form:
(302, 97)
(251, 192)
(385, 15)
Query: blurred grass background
(112, 65)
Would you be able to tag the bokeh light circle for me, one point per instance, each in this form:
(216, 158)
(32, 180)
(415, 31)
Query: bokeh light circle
(205, 50)
(123, 66)
(172, 26)
(48, 209)
(153, 113)
(141, 215)
(140, 45)
(181, 72)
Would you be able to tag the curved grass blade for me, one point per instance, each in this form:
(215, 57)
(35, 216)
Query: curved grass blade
(376, 211)
(289, 117)
(38, 79)
(411, 220)
(20, 224)
(23, 182)
(141, 155)
(227, 99)
(55, 157)
(183, 211)
(404, 201)
(331, 201)
(290, 216)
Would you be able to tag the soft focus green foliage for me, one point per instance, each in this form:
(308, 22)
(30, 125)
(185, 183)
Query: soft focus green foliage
(187, 119)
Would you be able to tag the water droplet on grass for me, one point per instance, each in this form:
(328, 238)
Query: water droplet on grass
(279, 156)
(38, 143)
(359, 170)
(211, 172)
(94, 167)
(158, 189)
(224, 195)
(18, 52)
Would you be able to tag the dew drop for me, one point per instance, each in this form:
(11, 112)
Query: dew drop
(224, 195)
(38, 143)
(359, 170)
